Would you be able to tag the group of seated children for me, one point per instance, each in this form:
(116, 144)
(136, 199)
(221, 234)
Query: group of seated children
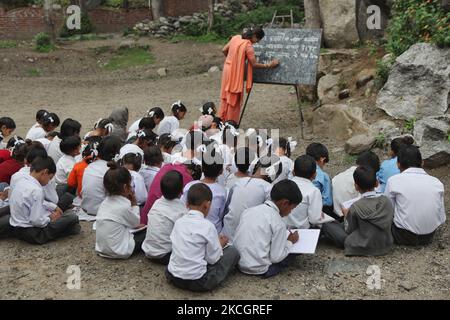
(203, 203)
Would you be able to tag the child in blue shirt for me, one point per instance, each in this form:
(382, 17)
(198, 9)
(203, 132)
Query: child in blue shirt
(323, 182)
(389, 167)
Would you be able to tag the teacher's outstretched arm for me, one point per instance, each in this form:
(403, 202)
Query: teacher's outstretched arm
(272, 64)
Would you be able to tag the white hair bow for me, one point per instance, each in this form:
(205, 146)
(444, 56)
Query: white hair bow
(232, 129)
(109, 128)
(292, 144)
(141, 134)
(116, 158)
(177, 104)
(151, 114)
(18, 141)
(51, 119)
(97, 123)
(269, 142)
(272, 171)
(259, 141)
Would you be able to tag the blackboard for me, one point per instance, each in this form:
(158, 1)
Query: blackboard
(298, 51)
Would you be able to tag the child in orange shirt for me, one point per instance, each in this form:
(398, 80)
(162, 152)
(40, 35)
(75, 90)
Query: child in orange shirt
(89, 154)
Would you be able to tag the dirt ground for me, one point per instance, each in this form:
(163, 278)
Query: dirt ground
(72, 84)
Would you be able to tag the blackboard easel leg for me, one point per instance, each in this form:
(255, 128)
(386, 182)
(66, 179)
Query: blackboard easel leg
(245, 106)
(299, 103)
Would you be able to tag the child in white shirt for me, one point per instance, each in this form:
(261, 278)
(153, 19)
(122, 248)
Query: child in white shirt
(344, 185)
(153, 160)
(93, 191)
(242, 160)
(418, 200)
(309, 211)
(261, 237)
(284, 150)
(49, 123)
(71, 147)
(198, 261)
(212, 167)
(32, 218)
(162, 217)
(156, 114)
(7, 127)
(117, 214)
(171, 123)
(250, 192)
(166, 144)
(133, 162)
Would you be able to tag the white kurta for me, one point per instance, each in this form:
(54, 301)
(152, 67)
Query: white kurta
(138, 184)
(195, 244)
(135, 126)
(115, 218)
(54, 151)
(27, 204)
(261, 239)
(93, 191)
(64, 168)
(148, 173)
(167, 157)
(309, 212)
(287, 166)
(35, 133)
(161, 220)
(168, 125)
(246, 193)
(343, 189)
(45, 142)
(418, 200)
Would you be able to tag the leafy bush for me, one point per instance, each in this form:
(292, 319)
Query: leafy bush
(43, 42)
(417, 21)
(383, 69)
(86, 27)
(258, 17)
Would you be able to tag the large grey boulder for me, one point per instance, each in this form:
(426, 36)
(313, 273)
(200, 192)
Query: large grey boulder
(360, 143)
(339, 23)
(418, 85)
(328, 88)
(431, 135)
(339, 121)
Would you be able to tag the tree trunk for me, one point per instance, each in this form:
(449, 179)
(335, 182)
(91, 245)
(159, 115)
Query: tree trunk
(210, 14)
(157, 9)
(312, 14)
(49, 19)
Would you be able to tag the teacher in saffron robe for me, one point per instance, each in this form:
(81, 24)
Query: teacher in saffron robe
(237, 52)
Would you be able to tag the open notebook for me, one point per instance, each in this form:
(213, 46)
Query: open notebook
(307, 241)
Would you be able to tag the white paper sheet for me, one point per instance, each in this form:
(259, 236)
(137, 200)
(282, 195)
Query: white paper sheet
(326, 218)
(307, 241)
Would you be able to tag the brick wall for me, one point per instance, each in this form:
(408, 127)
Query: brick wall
(174, 8)
(24, 23)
